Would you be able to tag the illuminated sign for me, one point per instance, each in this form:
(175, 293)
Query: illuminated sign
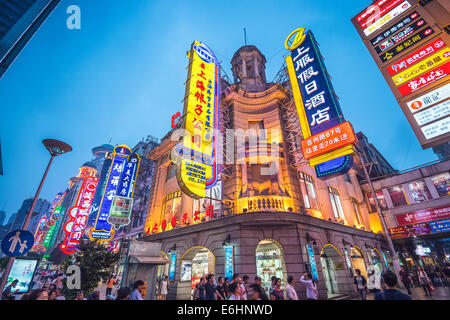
(385, 34)
(375, 11)
(176, 118)
(79, 215)
(436, 129)
(411, 41)
(427, 64)
(56, 218)
(312, 262)
(384, 20)
(440, 226)
(120, 211)
(173, 259)
(429, 98)
(22, 270)
(415, 57)
(434, 113)
(316, 103)
(196, 156)
(425, 80)
(328, 140)
(400, 36)
(120, 181)
(423, 215)
(229, 262)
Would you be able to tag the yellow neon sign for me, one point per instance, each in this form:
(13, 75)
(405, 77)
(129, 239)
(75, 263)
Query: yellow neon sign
(298, 40)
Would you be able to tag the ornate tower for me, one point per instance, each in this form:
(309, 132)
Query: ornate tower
(249, 69)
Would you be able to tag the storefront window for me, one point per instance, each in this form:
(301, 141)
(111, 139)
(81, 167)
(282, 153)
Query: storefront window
(171, 172)
(336, 203)
(308, 191)
(419, 191)
(172, 205)
(442, 183)
(397, 196)
(356, 209)
(269, 262)
(381, 201)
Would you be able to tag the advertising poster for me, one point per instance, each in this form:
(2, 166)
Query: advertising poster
(312, 262)
(22, 270)
(186, 271)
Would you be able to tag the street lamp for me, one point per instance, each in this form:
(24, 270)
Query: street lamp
(56, 148)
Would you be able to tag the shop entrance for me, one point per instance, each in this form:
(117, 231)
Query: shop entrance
(162, 271)
(270, 263)
(196, 263)
(357, 258)
(376, 260)
(332, 266)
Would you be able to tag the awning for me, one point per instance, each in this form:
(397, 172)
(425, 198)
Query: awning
(149, 260)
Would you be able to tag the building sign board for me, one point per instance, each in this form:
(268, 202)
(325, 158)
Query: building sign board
(312, 262)
(429, 98)
(425, 79)
(387, 18)
(423, 216)
(229, 262)
(440, 226)
(409, 30)
(437, 128)
(390, 31)
(438, 111)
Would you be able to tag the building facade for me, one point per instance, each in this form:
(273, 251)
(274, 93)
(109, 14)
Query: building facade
(260, 221)
(41, 208)
(19, 21)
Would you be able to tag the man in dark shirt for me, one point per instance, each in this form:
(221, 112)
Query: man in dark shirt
(262, 292)
(210, 288)
(7, 294)
(391, 293)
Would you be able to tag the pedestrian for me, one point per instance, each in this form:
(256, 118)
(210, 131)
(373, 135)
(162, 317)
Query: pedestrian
(220, 290)
(262, 292)
(374, 282)
(237, 279)
(446, 273)
(94, 295)
(277, 292)
(235, 291)
(80, 295)
(59, 295)
(202, 288)
(254, 292)
(37, 283)
(225, 287)
(109, 285)
(244, 286)
(8, 294)
(311, 286)
(58, 282)
(210, 288)
(136, 293)
(123, 294)
(424, 280)
(406, 279)
(391, 292)
(360, 284)
(52, 295)
(37, 294)
(291, 294)
(164, 288)
(272, 286)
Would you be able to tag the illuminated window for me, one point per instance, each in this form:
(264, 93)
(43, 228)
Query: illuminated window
(336, 203)
(381, 201)
(419, 191)
(356, 209)
(442, 183)
(172, 205)
(308, 191)
(397, 196)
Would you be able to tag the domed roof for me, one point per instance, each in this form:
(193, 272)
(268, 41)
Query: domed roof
(89, 165)
(101, 150)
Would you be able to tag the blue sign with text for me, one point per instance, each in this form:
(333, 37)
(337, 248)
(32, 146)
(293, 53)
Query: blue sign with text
(312, 262)
(440, 226)
(229, 262)
(173, 259)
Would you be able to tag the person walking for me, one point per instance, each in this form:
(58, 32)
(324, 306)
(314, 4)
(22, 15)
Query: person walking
(136, 293)
(244, 286)
(109, 285)
(254, 292)
(52, 295)
(360, 284)
(94, 295)
(59, 295)
(226, 285)
(220, 290)
(311, 286)
(8, 294)
(291, 294)
(374, 282)
(406, 279)
(123, 293)
(235, 291)
(37, 294)
(424, 280)
(210, 288)
(272, 286)
(80, 295)
(277, 293)
(262, 292)
(164, 288)
(391, 292)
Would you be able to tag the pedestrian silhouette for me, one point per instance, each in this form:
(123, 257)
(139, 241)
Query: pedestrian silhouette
(23, 246)
(14, 240)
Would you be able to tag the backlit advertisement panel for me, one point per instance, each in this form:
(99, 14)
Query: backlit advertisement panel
(376, 11)
(384, 20)
(22, 270)
(196, 156)
(425, 80)
(437, 128)
(429, 98)
(400, 36)
(438, 111)
(390, 31)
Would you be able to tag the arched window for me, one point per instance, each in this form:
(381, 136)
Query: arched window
(336, 203)
(308, 191)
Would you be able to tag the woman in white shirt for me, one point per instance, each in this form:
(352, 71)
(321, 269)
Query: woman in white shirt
(235, 291)
(291, 294)
(311, 287)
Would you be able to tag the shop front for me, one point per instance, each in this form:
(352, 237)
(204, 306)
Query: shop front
(357, 259)
(333, 269)
(270, 263)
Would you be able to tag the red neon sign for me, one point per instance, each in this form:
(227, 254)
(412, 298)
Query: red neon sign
(425, 80)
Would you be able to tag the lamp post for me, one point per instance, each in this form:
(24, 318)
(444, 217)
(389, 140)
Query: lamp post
(55, 148)
(380, 214)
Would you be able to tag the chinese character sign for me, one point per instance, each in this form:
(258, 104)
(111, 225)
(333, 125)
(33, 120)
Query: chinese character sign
(196, 155)
(318, 109)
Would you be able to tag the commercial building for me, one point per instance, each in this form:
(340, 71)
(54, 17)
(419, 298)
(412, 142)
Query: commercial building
(40, 209)
(2, 217)
(416, 204)
(19, 21)
(258, 221)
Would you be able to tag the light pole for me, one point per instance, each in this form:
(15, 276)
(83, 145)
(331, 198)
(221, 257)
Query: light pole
(380, 214)
(56, 148)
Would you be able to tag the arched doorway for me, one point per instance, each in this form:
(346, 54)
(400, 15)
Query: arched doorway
(357, 258)
(195, 263)
(270, 262)
(333, 269)
(376, 261)
(162, 271)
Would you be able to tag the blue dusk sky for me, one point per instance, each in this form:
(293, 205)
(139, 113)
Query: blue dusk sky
(121, 77)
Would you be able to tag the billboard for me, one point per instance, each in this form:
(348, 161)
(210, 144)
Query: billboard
(412, 52)
(120, 181)
(423, 216)
(22, 270)
(328, 138)
(196, 155)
